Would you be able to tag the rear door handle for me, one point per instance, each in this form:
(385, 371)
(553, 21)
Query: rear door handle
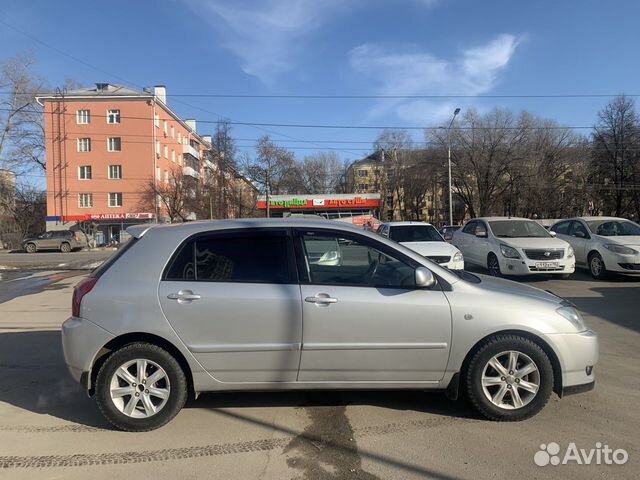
(321, 299)
(184, 296)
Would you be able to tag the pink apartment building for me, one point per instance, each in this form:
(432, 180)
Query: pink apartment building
(104, 146)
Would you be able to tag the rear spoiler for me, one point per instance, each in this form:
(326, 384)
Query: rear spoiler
(137, 231)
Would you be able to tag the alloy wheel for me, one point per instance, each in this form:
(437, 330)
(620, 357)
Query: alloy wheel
(510, 380)
(494, 266)
(140, 388)
(596, 265)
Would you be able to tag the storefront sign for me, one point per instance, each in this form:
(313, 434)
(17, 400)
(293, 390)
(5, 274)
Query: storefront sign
(315, 203)
(101, 216)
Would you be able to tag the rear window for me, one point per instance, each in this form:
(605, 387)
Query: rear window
(259, 258)
(415, 233)
(99, 271)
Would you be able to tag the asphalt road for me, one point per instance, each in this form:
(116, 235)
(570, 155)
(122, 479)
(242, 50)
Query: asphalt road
(50, 429)
(53, 260)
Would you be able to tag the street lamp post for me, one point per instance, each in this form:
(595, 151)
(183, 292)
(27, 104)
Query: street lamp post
(455, 113)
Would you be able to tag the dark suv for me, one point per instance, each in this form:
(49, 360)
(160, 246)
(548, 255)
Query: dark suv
(62, 240)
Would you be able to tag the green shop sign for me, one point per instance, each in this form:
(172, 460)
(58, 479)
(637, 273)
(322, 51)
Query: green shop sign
(294, 202)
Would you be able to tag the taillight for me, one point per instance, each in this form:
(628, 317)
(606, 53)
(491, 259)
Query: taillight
(84, 287)
(75, 236)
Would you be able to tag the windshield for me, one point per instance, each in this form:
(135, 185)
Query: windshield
(415, 233)
(518, 229)
(614, 228)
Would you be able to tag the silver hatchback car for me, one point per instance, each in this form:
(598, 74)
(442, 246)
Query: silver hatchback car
(310, 304)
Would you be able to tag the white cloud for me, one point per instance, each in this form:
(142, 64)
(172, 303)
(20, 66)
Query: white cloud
(409, 71)
(266, 35)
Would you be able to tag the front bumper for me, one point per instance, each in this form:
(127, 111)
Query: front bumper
(578, 354)
(621, 263)
(81, 341)
(526, 266)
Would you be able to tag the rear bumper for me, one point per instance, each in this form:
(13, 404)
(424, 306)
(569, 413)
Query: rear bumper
(81, 341)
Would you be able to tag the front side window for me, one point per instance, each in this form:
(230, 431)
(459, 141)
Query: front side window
(113, 116)
(83, 117)
(518, 229)
(84, 172)
(84, 144)
(334, 260)
(577, 229)
(470, 228)
(262, 257)
(562, 228)
(115, 172)
(415, 233)
(114, 144)
(85, 200)
(115, 199)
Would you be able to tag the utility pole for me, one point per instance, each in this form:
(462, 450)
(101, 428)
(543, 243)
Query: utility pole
(455, 113)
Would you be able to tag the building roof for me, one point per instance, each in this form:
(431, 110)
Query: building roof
(374, 158)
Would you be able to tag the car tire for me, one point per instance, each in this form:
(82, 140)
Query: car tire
(31, 248)
(493, 265)
(116, 392)
(509, 399)
(65, 247)
(597, 268)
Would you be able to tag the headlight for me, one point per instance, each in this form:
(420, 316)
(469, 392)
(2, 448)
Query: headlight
(621, 249)
(458, 257)
(573, 316)
(570, 252)
(509, 252)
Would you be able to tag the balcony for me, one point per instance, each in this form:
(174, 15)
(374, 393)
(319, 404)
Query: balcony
(188, 171)
(194, 152)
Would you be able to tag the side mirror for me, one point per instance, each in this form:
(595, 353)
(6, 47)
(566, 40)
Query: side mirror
(552, 233)
(481, 234)
(424, 277)
(579, 234)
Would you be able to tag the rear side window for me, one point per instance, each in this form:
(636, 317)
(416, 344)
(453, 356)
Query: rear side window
(562, 228)
(99, 271)
(258, 258)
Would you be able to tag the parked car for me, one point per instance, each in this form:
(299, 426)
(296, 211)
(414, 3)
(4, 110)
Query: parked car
(242, 305)
(514, 246)
(424, 239)
(448, 230)
(62, 240)
(602, 244)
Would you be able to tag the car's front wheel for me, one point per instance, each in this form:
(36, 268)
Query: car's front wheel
(509, 378)
(65, 247)
(140, 387)
(493, 265)
(597, 267)
(31, 248)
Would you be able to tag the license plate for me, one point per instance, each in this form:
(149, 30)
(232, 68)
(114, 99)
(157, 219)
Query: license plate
(546, 265)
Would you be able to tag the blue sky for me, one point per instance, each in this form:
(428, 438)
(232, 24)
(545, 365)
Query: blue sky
(345, 47)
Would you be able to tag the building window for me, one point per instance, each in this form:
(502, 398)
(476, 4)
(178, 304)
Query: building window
(156, 120)
(158, 174)
(166, 176)
(363, 186)
(158, 148)
(179, 137)
(115, 199)
(85, 200)
(115, 172)
(173, 155)
(113, 116)
(173, 132)
(166, 152)
(164, 126)
(362, 173)
(84, 144)
(83, 117)
(114, 144)
(84, 172)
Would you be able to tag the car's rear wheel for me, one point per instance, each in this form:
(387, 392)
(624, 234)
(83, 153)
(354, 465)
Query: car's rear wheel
(509, 378)
(493, 265)
(597, 267)
(140, 387)
(65, 247)
(31, 248)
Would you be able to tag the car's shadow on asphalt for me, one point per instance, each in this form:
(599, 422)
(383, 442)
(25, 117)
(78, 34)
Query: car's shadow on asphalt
(34, 377)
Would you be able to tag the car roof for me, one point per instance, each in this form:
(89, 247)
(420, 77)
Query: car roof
(595, 218)
(138, 231)
(494, 219)
(405, 223)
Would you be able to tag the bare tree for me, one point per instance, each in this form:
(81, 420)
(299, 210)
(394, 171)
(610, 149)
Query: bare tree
(616, 144)
(23, 210)
(320, 173)
(171, 197)
(222, 143)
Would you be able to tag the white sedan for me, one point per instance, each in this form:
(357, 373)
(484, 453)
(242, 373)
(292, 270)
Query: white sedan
(603, 244)
(424, 239)
(514, 246)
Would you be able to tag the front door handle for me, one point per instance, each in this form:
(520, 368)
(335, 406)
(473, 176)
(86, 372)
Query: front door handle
(321, 299)
(184, 296)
